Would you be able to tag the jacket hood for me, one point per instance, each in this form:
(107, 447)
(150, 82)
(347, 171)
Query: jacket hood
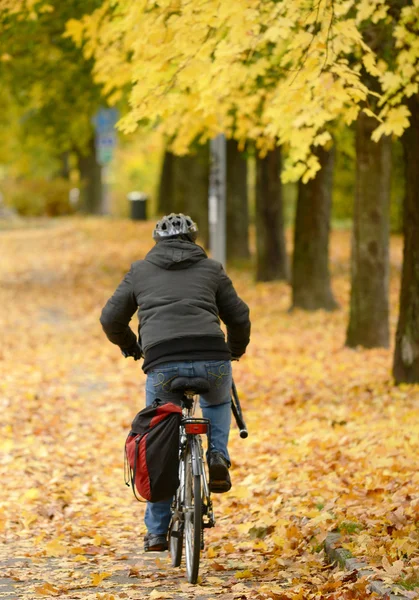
(175, 254)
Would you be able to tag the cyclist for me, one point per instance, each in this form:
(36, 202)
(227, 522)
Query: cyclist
(181, 295)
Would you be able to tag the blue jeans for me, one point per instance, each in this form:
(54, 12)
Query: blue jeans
(215, 405)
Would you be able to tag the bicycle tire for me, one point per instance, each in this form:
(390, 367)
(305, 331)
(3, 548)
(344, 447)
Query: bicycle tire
(177, 521)
(176, 542)
(193, 514)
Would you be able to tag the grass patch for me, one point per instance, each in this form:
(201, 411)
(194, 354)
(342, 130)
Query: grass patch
(350, 527)
(409, 582)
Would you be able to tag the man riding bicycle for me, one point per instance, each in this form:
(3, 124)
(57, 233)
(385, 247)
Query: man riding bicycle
(181, 295)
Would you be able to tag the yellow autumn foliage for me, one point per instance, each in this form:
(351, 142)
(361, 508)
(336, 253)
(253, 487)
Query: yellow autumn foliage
(274, 72)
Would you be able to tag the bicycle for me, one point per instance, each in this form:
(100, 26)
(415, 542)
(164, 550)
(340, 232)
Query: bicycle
(192, 509)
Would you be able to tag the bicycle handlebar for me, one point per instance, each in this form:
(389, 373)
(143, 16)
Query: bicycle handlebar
(237, 412)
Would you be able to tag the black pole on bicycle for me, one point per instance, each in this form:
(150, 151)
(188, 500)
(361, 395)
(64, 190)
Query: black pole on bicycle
(237, 412)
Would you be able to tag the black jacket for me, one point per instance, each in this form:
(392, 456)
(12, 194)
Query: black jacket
(181, 295)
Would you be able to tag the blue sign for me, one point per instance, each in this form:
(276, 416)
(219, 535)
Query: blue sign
(105, 119)
(104, 122)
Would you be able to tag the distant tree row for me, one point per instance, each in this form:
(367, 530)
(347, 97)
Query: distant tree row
(184, 187)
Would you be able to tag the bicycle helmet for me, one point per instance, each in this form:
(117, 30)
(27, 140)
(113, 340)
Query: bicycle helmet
(175, 225)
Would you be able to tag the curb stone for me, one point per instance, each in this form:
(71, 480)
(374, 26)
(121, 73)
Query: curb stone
(336, 554)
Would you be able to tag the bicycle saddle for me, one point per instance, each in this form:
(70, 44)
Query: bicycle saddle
(199, 385)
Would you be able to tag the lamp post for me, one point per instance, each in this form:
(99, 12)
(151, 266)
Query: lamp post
(217, 198)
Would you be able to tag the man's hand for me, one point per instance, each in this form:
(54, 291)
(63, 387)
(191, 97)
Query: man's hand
(135, 351)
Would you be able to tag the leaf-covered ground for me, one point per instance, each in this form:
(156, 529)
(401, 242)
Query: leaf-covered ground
(333, 444)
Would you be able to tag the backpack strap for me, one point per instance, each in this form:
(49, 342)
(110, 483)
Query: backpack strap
(127, 468)
(129, 474)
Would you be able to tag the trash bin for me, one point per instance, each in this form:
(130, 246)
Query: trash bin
(138, 202)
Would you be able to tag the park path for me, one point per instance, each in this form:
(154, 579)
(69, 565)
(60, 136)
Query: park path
(69, 526)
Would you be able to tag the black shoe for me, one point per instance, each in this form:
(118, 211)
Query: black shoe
(155, 543)
(219, 476)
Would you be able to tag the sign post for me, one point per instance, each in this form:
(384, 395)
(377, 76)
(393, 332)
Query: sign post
(217, 199)
(104, 122)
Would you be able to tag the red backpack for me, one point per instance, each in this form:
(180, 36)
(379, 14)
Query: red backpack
(152, 452)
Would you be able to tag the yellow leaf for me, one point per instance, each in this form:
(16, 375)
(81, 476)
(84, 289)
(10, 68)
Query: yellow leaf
(214, 580)
(394, 570)
(260, 545)
(370, 64)
(397, 120)
(242, 492)
(31, 494)
(46, 589)
(55, 548)
(28, 518)
(80, 558)
(74, 29)
(97, 578)
(157, 595)
(46, 8)
(246, 574)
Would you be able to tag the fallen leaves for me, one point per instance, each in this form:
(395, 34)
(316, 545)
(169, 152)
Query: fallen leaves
(332, 443)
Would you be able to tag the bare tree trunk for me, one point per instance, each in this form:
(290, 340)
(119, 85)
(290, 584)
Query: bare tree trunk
(91, 181)
(406, 356)
(237, 204)
(165, 193)
(311, 288)
(369, 311)
(64, 170)
(271, 260)
(190, 188)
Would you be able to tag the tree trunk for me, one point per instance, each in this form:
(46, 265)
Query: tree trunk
(190, 188)
(311, 288)
(64, 170)
(91, 181)
(271, 260)
(165, 193)
(237, 204)
(406, 356)
(369, 311)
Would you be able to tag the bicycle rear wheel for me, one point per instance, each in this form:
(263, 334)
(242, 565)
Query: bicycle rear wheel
(176, 541)
(176, 523)
(193, 512)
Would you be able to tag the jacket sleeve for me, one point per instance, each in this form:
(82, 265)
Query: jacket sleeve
(235, 314)
(117, 314)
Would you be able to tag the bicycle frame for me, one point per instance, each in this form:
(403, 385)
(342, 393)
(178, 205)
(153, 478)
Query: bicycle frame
(192, 506)
(187, 434)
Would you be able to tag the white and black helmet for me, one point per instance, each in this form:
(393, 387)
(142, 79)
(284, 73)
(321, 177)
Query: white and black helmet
(175, 225)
